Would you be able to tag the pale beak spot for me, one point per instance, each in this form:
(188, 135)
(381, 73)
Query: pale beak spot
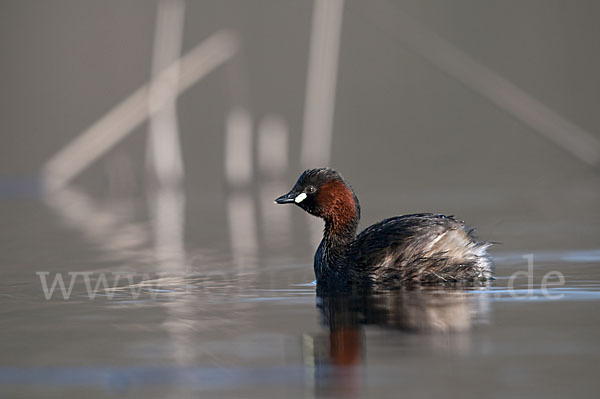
(300, 197)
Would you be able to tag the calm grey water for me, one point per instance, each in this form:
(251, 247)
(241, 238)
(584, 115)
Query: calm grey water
(214, 323)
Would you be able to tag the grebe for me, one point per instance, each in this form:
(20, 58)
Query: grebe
(419, 248)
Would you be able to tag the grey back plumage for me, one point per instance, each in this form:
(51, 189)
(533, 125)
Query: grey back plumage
(422, 248)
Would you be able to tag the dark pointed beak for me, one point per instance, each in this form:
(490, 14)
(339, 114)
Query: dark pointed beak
(286, 198)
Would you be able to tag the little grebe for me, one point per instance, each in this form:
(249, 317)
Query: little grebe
(418, 248)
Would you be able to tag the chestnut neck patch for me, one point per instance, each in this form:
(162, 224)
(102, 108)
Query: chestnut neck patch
(338, 204)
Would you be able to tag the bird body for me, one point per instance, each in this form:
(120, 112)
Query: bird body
(420, 248)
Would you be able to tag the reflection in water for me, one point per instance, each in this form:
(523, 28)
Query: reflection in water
(111, 227)
(434, 312)
(167, 207)
(415, 309)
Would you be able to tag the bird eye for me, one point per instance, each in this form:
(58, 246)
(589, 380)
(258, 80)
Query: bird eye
(310, 189)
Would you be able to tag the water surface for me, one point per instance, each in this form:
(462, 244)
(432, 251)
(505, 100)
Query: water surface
(228, 325)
